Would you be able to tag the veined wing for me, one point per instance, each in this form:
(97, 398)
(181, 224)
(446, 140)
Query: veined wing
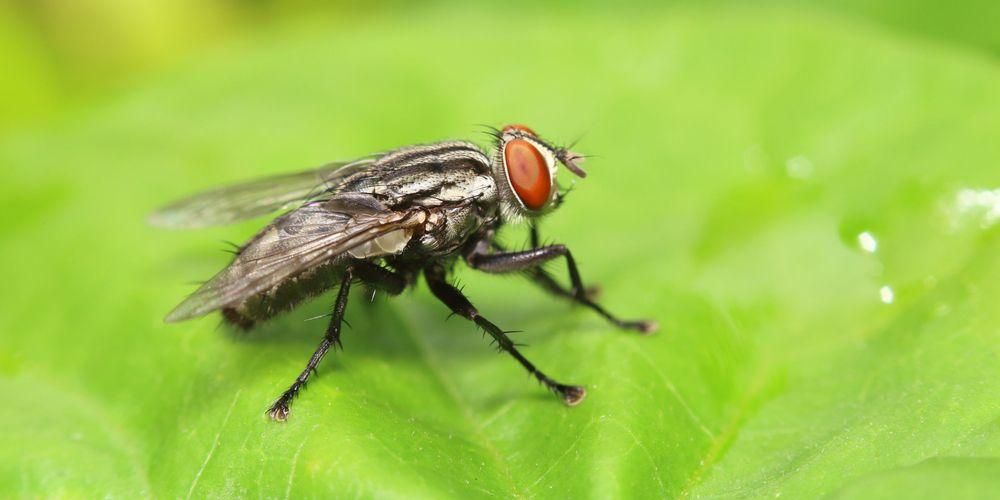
(295, 242)
(253, 198)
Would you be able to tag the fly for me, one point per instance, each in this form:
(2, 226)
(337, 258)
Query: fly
(383, 221)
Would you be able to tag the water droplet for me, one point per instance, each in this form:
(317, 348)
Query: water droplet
(977, 204)
(868, 242)
(886, 294)
(799, 167)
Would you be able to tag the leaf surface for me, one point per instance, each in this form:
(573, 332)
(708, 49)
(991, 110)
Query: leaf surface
(745, 164)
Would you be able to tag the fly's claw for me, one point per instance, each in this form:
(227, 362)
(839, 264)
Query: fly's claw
(279, 410)
(645, 327)
(572, 395)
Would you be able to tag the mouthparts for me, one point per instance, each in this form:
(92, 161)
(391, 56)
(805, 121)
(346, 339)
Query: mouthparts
(572, 161)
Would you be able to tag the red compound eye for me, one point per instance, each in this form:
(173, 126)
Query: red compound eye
(528, 173)
(522, 128)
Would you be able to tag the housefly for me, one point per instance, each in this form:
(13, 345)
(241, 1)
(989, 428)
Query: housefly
(382, 221)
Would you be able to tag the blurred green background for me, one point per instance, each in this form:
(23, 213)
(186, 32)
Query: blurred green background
(804, 194)
(60, 54)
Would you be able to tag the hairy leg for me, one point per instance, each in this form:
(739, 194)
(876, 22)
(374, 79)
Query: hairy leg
(529, 261)
(459, 304)
(370, 274)
(542, 278)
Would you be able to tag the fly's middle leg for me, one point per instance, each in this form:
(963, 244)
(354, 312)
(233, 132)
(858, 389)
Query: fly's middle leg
(459, 304)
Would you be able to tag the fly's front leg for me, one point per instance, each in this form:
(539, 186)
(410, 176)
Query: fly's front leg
(371, 274)
(530, 260)
(542, 278)
(460, 305)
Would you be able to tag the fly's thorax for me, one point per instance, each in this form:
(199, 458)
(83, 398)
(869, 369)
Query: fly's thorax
(448, 228)
(452, 181)
(446, 172)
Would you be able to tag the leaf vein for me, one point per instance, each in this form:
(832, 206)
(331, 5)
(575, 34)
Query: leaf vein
(215, 444)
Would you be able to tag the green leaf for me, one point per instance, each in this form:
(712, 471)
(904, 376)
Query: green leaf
(744, 161)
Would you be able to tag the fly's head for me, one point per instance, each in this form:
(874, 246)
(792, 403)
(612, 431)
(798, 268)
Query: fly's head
(525, 169)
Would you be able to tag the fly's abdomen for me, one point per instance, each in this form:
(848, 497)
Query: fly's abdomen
(284, 296)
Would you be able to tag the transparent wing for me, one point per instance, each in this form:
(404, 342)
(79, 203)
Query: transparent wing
(254, 198)
(294, 243)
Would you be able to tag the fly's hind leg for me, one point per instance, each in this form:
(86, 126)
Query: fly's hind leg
(459, 304)
(279, 410)
(371, 274)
